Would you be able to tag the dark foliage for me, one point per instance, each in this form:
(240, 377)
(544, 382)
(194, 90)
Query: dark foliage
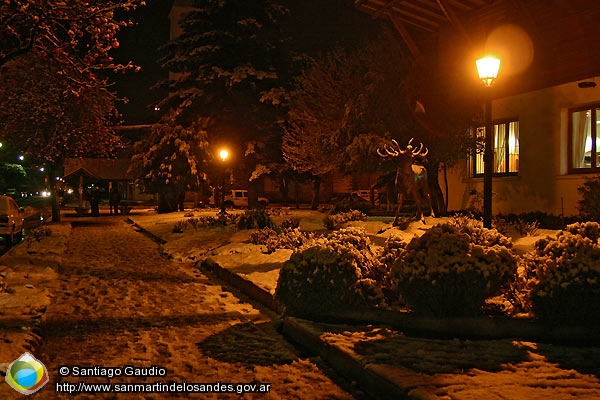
(255, 219)
(589, 205)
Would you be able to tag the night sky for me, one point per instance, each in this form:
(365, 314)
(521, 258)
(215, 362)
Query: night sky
(317, 27)
(139, 44)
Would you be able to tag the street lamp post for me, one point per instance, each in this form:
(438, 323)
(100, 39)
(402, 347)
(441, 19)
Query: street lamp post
(488, 71)
(224, 154)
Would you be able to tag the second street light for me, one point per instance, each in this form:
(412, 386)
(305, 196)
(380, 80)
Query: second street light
(223, 154)
(488, 72)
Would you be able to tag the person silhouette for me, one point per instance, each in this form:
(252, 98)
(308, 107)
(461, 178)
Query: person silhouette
(114, 201)
(94, 201)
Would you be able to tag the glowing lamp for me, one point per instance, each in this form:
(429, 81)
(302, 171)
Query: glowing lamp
(487, 68)
(223, 154)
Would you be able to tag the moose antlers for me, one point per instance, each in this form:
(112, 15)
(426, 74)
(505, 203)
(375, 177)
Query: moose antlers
(394, 150)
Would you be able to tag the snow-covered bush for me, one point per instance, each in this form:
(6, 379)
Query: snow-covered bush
(447, 272)
(525, 228)
(180, 226)
(203, 222)
(332, 220)
(286, 239)
(290, 223)
(522, 226)
(330, 274)
(263, 236)
(349, 203)
(255, 219)
(500, 224)
(393, 250)
(478, 234)
(565, 275)
(590, 230)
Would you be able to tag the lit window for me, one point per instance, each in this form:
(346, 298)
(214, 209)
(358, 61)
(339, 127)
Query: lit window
(506, 149)
(584, 139)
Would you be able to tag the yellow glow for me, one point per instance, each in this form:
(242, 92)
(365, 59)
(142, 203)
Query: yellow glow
(513, 45)
(487, 68)
(223, 154)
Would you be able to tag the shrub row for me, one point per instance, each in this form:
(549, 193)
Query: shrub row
(449, 271)
(260, 219)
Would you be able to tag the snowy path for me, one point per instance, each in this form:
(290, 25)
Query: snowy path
(118, 302)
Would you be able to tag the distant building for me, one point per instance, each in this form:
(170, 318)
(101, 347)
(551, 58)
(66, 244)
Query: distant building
(105, 173)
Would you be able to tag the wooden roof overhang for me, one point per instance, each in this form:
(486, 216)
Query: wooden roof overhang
(563, 36)
(413, 18)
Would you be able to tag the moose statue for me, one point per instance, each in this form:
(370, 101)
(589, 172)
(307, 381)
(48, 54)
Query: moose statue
(411, 178)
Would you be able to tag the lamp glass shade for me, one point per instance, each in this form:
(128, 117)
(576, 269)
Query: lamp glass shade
(488, 69)
(223, 154)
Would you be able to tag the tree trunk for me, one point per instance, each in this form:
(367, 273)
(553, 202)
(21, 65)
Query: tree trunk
(316, 191)
(446, 186)
(167, 200)
(437, 196)
(55, 205)
(284, 189)
(297, 193)
(55, 186)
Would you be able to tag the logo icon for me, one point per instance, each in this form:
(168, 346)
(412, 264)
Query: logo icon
(26, 374)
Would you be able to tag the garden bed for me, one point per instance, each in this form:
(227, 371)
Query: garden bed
(463, 265)
(476, 328)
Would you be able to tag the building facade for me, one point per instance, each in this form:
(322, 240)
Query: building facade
(545, 101)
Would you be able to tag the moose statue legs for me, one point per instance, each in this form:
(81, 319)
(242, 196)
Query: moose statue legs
(410, 177)
(421, 194)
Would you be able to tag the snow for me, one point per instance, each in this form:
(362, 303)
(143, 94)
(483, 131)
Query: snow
(115, 302)
(427, 368)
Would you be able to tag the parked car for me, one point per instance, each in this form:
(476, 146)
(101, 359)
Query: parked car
(11, 220)
(239, 198)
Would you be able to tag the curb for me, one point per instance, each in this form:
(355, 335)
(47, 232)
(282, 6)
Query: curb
(244, 285)
(469, 328)
(146, 232)
(367, 375)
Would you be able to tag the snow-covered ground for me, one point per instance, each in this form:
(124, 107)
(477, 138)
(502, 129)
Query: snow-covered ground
(109, 299)
(427, 368)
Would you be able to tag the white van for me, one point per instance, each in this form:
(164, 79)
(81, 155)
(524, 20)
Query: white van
(239, 198)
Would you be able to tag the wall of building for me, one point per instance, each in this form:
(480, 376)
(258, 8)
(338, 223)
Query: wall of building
(543, 182)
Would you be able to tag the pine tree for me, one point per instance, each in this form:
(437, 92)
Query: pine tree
(232, 64)
(171, 161)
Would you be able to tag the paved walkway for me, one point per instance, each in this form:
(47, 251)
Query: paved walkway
(118, 302)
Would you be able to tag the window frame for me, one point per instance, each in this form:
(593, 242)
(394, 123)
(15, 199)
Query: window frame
(473, 158)
(594, 109)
